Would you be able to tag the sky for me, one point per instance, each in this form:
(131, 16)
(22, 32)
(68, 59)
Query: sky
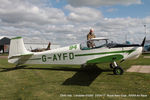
(66, 22)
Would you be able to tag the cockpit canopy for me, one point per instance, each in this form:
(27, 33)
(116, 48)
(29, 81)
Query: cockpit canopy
(102, 42)
(96, 42)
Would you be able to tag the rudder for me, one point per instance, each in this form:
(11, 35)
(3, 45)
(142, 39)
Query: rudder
(16, 50)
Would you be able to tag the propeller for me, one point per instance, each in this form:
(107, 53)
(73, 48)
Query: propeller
(143, 41)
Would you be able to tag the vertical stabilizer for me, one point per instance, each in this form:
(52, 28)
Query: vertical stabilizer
(17, 49)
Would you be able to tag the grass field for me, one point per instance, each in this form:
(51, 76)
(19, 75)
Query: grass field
(45, 82)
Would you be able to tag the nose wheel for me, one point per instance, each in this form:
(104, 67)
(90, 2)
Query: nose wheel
(117, 70)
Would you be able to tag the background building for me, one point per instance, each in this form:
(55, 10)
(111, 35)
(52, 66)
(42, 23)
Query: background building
(4, 44)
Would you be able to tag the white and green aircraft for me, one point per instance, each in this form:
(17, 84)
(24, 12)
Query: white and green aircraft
(77, 54)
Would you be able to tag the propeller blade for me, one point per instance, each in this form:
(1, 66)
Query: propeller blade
(143, 41)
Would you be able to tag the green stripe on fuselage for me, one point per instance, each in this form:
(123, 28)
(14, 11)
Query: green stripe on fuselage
(105, 59)
(101, 53)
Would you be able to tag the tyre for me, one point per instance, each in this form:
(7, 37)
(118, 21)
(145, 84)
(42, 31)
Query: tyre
(118, 71)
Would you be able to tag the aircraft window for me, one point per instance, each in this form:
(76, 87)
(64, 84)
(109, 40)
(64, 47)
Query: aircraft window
(96, 44)
(111, 45)
(100, 43)
(84, 46)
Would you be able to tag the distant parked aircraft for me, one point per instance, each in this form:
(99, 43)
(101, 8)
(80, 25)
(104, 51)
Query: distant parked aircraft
(42, 49)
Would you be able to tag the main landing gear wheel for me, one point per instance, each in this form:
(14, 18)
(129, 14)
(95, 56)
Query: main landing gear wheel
(118, 70)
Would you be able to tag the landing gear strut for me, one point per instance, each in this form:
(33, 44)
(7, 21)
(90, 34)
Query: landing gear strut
(117, 70)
